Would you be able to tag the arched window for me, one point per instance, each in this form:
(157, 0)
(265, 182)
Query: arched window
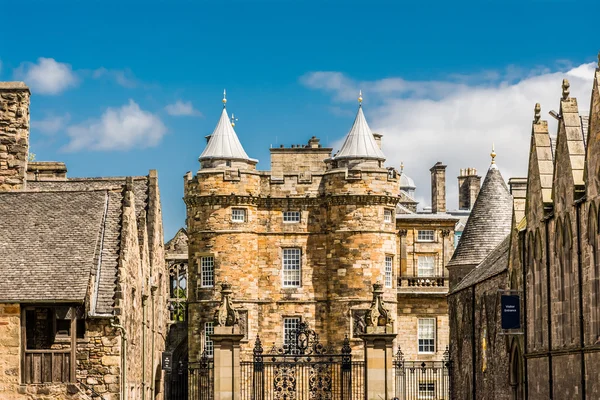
(560, 280)
(568, 310)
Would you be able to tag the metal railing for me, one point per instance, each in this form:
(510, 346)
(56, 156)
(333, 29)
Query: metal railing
(422, 380)
(201, 376)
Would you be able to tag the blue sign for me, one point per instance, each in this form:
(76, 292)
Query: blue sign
(511, 312)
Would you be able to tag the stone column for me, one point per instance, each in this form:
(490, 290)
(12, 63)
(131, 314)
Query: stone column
(226, 344)
(378, 342)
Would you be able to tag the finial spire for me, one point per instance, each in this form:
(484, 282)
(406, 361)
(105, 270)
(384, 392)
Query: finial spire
(493, 154)
(401, 166)
(565, 89)
(360, 97)
(233, 119)
(536, 113)
(224, 97)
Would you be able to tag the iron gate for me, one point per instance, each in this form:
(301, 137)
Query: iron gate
(303, 368)
(201, 379)
(422, 379)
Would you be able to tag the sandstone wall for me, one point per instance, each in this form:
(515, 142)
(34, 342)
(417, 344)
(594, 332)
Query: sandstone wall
(14, 135)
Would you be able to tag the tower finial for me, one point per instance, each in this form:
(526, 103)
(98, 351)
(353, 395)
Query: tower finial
(536, 113)
(493, 154)
(401, 166)
(360, 97)
(233, 119)
(224, 97)
(565, 89)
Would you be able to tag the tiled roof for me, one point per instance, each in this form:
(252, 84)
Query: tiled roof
(490, 221)
(50, 242)
(495, 263)
(224, 142)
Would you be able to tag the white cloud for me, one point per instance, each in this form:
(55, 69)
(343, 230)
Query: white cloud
(51, 124)
(47, 76)
(180, 108)
(117, 129)
(123, 77)
(457, 120)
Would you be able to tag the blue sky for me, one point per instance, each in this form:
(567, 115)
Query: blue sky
(118, 89)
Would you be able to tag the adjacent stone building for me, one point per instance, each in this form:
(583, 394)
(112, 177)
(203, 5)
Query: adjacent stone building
(82, 279)
(550, 258)
(307, 240)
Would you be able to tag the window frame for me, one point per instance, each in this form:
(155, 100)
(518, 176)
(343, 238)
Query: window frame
(426, 394)
(424, 256)
(242, 211)
(209, 345)
(286, 270)
(389, 271)
(203, 283)
(426, 240)
(388, 215)
(286, 336)
(432, 344)
(287, 219)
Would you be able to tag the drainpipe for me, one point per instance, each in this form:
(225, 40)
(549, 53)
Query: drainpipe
(123, 358)
(580, 273)
(144, 327)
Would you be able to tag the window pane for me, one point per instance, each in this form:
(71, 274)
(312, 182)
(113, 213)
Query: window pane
(426, 335)
(387, 215)
(208, 343)
(291, 216)
(388, 271)
(426, 266)
(290, 326)
(425, 236)
(292, 267)
(238, 214)
(207, 271)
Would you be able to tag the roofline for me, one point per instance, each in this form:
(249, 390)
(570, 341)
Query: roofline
(476, 283)
(252, 160)
(38, 301)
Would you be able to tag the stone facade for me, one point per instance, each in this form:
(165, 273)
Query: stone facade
(342, 217)
(118, 327)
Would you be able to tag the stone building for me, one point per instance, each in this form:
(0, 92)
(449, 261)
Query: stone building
(552, 261)
(82, 282)
(306, 241)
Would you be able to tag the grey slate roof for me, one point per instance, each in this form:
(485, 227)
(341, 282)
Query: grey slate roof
(224, 142)
(50, 244)
(489, 223)
(360, 142)
(495, 263)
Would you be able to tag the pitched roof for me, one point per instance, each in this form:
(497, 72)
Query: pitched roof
(224, 142)
(495, 263)
(489, 222)
(51, 242)
(360, 142)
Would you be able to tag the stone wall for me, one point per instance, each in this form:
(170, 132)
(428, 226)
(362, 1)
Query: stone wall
(10, 348)
(14, 135)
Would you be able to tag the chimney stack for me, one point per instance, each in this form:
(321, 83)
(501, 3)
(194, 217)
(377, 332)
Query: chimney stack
(468, 188)
(14, 135)
(518, 189)
(377, 137)
(438, 188)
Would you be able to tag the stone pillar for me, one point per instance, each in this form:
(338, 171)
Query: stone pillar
(378, 341)
(226, 342)
(438, 188)
(14, 135)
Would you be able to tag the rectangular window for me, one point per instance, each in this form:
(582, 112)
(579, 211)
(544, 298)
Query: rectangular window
(207, 271)
(387, 216)
(291, 216)
(426, 390)
(290, 327)
(209, 329)
(425, 236)
(426, 335)
(426, 266)
(292, 268)
(389, 263)
(238, 214)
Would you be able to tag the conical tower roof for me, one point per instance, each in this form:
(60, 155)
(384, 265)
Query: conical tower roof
(489, 223)
(224, 142)
(360, 143)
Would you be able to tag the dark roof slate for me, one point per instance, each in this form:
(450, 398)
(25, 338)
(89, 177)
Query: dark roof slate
(489, 223)
(49, 245)
(495, 263)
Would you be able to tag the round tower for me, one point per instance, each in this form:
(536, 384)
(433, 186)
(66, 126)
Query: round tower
(361, 240)
(221, 203)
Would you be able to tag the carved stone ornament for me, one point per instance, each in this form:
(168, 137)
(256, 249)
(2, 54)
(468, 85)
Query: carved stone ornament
(377, 314)
(226, 315)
